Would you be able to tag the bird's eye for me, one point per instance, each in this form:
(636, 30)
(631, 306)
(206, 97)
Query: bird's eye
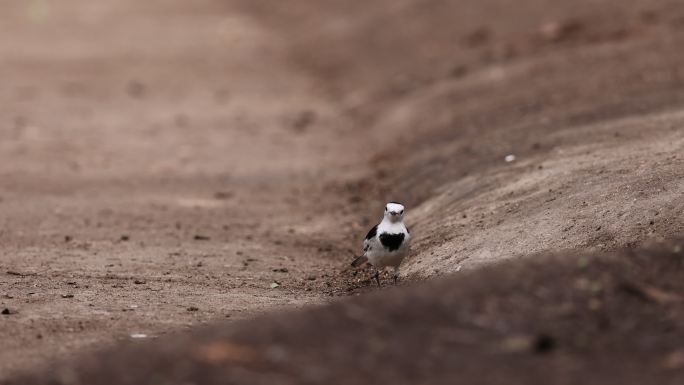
(385, 209)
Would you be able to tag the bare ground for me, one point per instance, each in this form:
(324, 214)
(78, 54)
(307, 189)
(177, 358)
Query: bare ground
(146, 189)
(563, 320)
(165, 164)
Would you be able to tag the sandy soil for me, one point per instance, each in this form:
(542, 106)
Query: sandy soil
(162, 165)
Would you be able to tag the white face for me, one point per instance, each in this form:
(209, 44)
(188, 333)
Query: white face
(394, 212)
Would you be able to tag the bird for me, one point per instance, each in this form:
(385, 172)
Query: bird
(387, 243)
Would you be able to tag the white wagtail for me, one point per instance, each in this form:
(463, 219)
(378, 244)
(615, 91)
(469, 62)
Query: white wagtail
(387, 243)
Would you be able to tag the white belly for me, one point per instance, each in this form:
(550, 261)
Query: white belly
(381, 257)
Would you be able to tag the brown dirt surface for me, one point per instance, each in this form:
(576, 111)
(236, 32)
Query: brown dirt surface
(586, 95)
(566, 319)
(137, 183)
(163, 164)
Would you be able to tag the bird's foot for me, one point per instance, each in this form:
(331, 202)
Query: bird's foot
(377, 277)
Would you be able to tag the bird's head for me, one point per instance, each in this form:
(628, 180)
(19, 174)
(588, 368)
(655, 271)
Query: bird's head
(394, 212)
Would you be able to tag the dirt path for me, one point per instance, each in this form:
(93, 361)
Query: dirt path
(157, 175)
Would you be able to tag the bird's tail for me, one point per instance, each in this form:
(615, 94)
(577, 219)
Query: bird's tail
(359, 261)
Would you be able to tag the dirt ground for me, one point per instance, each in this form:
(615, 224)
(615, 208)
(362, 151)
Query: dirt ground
(572, 319)
(155, 176)
(162, 165)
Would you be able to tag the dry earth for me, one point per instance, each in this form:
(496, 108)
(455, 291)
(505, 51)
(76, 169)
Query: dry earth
(571, 319)
(157, 171)
(163, 164)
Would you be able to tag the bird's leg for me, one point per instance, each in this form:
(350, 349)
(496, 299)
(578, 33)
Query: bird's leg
(396, 275)
(377, 276)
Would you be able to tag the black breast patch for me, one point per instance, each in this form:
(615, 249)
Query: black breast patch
(391, 241)
(372, 232)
